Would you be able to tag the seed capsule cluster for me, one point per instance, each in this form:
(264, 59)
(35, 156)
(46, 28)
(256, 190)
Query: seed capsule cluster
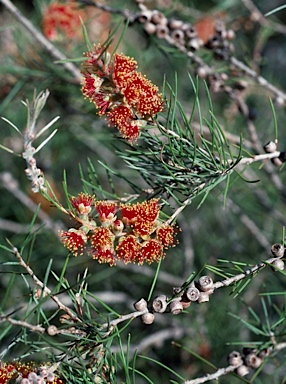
(198, 291)
(186, 37)
(175, 31)
(251, 358)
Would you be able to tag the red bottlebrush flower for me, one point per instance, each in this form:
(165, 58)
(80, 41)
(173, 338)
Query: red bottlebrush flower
(143, 95)
(148, 210)
(106, 210)
(102, 102)
(103, 256)
(124, 95)
(128, 249)
(101, 238)
(82, 203)
(166, 234)
(102, 250)
(129, 213)
(152, 251)
(74, 240)
(130, 131)
(122, 118)
(91, 85)
(118, 116)
(62, 19)
(10, 372)
(123, 69)
(143, 228)
(145, 211)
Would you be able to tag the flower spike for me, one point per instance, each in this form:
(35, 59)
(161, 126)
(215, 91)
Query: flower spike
(126, 97)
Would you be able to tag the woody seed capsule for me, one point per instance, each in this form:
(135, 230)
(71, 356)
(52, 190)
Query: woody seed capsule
(178, 35)
(52, 330)
(242, 370)
(145, 16)
(253, 361)
(176, 307)
(205, 284)
(140, 305)
(192, 293)
(279, 264)
(234, 358)
(175, 24)
(277, 250)
(160, 304)
(159, 18)
(148, 318)
(204, 297)
(150, 28)
(162, 31)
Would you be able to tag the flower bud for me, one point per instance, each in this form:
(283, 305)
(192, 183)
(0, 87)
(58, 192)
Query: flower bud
(118, 227)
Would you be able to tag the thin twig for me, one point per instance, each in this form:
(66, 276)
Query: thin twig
(261, 18)
(112, 324)
(46, 290)
(128, 15)
(224, 371)
(259, 79)
(40, 38)
(34, 328)
(214, 376)
(248, 272)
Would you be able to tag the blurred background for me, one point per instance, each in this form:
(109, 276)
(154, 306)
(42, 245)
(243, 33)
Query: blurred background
(240, 229)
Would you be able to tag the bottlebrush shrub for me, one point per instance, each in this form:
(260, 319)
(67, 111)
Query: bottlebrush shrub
(126, 97)
(131, 233)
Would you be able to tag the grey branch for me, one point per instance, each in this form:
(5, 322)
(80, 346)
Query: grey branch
(213, 376)
(248, 272)
(34, 328)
